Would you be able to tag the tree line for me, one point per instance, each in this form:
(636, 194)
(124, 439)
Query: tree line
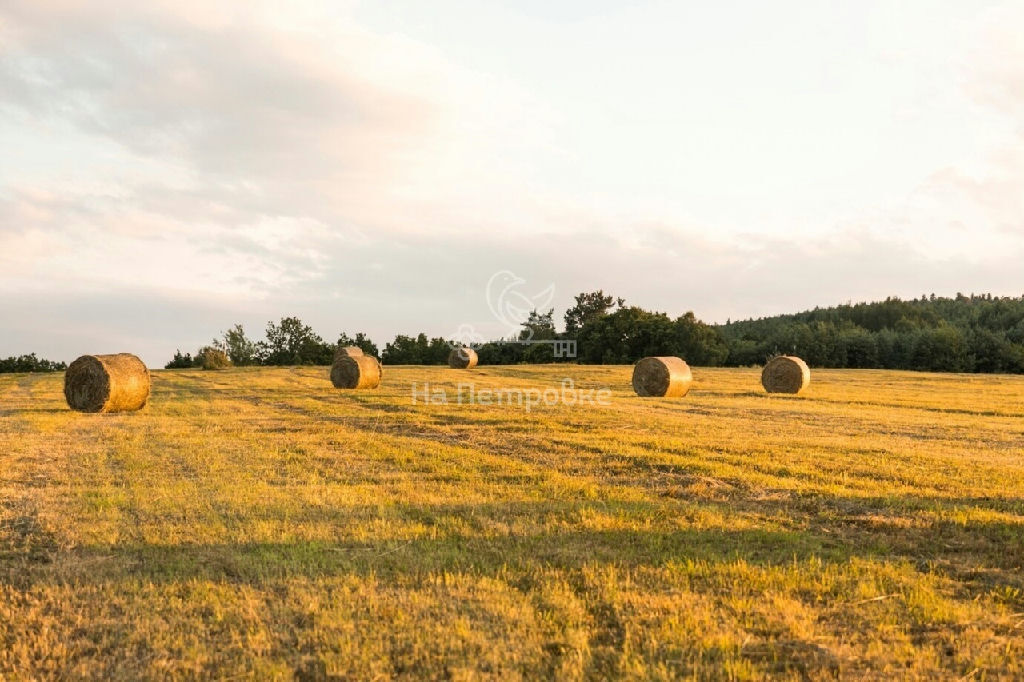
(29, 363)
(288, 342)
(976, 333)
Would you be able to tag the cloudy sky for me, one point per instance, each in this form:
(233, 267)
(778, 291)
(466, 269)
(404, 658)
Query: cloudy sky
(170, 168)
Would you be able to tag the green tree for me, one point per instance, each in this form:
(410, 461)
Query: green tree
(699, 344)
(626, 335)
(859, 347)
(501, 353)
(180, 361)
(238, 347)
(294, 343)
(403, 351)
(418, 350)
(589, 307)
(361, 341)
(942, 349)
(538, 327)
(29, 363)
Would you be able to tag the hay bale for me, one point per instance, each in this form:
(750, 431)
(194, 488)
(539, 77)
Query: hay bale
(342, 351)
(462, 358)
(664, 377)
(107, 383)
(785, 374)
(356, 371)
(213, 358)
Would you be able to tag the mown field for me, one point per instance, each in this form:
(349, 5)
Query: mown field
(259, 523)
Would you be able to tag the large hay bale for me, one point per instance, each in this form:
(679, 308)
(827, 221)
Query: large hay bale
(664, 377)
(356, 371)
(785, 374)
(213, 358)
(342, 351)
(107, 383)
(462, 358)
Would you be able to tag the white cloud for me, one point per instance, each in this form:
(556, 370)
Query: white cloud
(247, 161)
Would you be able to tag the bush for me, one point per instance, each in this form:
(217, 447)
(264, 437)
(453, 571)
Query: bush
(212, 358)
(180, 361)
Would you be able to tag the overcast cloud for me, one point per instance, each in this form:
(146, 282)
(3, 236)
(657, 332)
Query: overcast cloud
(173, 168)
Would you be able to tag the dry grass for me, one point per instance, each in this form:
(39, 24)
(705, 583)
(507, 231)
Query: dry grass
(257, 522)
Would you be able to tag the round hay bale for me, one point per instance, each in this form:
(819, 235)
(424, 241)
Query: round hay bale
(107, 383)
(785, 374)
(213, 358)
(664, 377)
(342, 351)
(462, 358)
(356, 371)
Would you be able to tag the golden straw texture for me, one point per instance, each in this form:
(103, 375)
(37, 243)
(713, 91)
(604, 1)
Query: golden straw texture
(664, 377)
(107, 383)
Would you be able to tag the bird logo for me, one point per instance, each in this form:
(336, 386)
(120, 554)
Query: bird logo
(509, 304)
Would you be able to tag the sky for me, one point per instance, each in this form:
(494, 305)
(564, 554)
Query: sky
(169, 169)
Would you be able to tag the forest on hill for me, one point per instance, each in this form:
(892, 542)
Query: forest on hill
(977, 333)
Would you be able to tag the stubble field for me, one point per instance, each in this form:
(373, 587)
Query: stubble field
(257, 522)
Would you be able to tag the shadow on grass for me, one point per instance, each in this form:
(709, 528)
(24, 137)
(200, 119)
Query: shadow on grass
(480, 555)
(15, 411)
(565, 546)
(981, 556)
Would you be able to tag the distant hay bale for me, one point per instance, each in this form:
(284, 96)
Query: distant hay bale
(462, 358)
(785, 374)
(664, 377)
(107, 383)
(213, 358)
(356, 371)
(342, 351)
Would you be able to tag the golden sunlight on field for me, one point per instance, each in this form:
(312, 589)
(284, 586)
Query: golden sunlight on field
(260, 522)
